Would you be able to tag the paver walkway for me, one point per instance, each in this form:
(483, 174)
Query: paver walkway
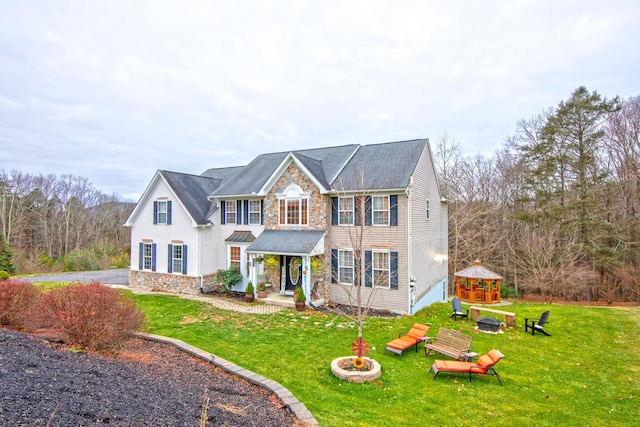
(220, 303)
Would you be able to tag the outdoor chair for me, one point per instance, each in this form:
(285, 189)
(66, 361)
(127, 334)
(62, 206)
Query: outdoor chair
(537, 325)
(416, 335)
(484, 365)
(457, 309)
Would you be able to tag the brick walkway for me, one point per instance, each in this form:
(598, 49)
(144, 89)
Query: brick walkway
(220, 303)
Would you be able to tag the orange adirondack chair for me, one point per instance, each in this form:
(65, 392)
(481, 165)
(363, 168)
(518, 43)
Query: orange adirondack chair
(412, 338)
(484, 365)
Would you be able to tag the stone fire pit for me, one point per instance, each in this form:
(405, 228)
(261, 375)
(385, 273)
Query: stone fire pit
(342, 367)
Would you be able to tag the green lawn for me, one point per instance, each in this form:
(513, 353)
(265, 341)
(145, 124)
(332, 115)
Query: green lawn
(586, 374)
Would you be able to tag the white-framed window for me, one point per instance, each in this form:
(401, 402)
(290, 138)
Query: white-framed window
(255, 212)
(345, 210)
(294, 207)
(381, 268)
(428, 209)
(346, 270)
(162, 212)
(147, 256)
(177, 258)
(234, 257)
(380, 210)
(231, 212)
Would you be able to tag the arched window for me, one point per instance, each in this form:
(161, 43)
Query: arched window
(294, 206)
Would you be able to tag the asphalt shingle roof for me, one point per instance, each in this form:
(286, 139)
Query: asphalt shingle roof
(192, 190)
(290, 242)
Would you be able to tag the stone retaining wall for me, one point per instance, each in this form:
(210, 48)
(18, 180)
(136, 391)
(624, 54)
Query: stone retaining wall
(175, 283)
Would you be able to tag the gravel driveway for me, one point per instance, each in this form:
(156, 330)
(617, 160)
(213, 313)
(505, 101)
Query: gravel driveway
(119, 276)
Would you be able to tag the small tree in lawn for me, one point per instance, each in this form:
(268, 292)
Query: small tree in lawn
(352, 210)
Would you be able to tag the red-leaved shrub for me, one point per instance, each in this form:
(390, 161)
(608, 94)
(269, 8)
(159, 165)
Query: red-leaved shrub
(17, 297)
(93, 316)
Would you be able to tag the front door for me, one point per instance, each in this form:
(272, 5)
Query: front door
(291, 273)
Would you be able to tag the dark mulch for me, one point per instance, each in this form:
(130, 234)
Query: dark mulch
(148, 384)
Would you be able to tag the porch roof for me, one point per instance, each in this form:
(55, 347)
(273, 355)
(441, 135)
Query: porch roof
(241, 237)
(288, 242)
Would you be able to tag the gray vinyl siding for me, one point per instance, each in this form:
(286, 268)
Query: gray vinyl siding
(429, 237)
(392, 237)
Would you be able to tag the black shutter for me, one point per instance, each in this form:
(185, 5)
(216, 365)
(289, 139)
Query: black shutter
(261, 212)
(155, 212)
(169, 212)
(368, 269)
(393, 210)
(334, 266)
(357, 211)
(141, 256)
(368, 212)
(394, 270)
(334, 211)
(153, 257)
(238, 211)
(170, 258)
(246, 212)
(184, 259)
(223, 212)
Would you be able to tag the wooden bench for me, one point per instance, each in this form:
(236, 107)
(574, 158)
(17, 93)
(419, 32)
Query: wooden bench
(511, 317)
(449, 342)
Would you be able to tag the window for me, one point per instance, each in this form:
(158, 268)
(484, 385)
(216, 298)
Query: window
(294, 212)
(345, 210)
(234, 257)
(176, 258)
(380, 210)
(147, 256)
(381, 268)
(345, 266)
(428, 209)
(255, 212)
(162, 212)
(231, 212)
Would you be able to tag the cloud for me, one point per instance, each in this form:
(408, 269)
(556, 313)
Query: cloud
(116, 90)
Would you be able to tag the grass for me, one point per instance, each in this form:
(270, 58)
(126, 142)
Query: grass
(587, 373)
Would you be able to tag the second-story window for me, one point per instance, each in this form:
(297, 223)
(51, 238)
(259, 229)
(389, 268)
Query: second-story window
(162, 212)
(345, 210)
(231, 212)
(380, 210)
(255, 212)
(294, 207)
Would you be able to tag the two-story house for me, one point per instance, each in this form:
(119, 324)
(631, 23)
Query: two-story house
(325, 219)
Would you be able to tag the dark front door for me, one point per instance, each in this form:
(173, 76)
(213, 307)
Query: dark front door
(291, 271)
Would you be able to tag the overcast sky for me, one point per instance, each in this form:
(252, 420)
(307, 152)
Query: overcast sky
(115, 90)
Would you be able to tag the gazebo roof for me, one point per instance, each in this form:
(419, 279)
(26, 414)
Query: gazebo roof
(477, 271)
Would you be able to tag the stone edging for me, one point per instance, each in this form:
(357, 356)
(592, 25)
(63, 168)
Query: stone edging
(286, 397)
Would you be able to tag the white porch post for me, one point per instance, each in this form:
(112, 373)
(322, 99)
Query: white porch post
(306, 277)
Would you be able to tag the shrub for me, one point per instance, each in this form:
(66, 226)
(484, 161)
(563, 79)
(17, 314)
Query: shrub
(81, 260)
(93, 316)
(228, 278)
(17, 297)
(4, 275)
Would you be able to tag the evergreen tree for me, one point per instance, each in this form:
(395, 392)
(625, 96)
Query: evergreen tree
(6, 256)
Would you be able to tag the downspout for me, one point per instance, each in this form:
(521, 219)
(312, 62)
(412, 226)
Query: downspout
(411, 290)
(200, 259)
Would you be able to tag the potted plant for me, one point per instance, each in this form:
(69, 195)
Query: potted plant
(300, 298)
(262, 290)
(248, 292)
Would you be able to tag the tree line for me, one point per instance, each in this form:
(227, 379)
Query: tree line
(52, 222)
(556, 210)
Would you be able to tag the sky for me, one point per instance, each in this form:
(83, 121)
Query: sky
(115, 90)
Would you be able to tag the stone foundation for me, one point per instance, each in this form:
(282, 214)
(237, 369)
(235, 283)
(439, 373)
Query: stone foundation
(175, 283)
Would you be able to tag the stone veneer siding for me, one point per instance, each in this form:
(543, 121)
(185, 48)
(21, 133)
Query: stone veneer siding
(318, 214)
(170, 282)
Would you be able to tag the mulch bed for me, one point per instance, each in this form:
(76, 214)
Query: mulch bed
(146, 384)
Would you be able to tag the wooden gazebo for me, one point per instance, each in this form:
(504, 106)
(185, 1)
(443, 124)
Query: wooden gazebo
(478, 284)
